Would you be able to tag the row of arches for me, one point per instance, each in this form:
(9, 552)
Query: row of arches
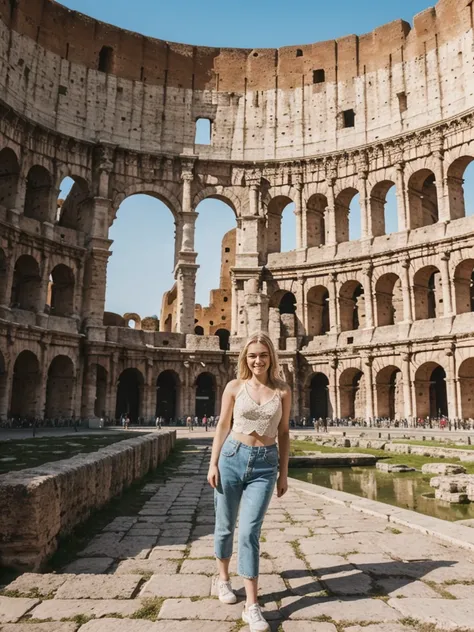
(429, 388)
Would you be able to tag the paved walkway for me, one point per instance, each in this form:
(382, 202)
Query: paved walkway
(325, 568)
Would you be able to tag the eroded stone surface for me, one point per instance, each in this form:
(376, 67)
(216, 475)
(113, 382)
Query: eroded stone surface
(13, 608)
(177, 586)
(39, 585)
(119, 625)
(57, 609)
(99, 587)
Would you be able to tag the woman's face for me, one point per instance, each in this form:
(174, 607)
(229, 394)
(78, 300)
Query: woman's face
(258, 358)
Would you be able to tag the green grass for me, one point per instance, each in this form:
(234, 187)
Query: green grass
(37, 451)
(412, 460)
(436, 444)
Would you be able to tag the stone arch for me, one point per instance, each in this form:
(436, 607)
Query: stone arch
(100, 403)
(60, 388)
(26, 384)
(129, 400)
(61, 291)
(455, 182)
(38, 197)
(427, 293)
(161, 193)
(9, 177)
(422, 199)
(223, 194)
(319, 402)
(352, 393)
(342, 210)
(275, 208)
(318, 321)
(224, 336)
(316, 208)
(389, 299)
(466, 385)
(352, 306)
(131, 316)
(168, 387)
(389, 392)
(430, 389)
(464, 286)
(75, 210)
(206, 388)
(282, 316)
(26, 287)
(378, 200)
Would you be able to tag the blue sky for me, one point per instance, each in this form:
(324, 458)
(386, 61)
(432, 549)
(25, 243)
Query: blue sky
(140, 268)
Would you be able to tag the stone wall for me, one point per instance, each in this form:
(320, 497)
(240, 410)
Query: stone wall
(41, 504)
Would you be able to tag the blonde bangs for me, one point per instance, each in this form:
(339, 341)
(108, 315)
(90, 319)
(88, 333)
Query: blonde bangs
(274, 371)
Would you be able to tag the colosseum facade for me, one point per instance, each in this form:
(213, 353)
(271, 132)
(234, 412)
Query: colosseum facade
(381, 325)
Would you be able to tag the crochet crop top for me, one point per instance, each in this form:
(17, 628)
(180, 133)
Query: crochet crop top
(249, 416)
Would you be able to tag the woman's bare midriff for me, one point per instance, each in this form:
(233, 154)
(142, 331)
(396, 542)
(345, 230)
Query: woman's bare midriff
(254, 439)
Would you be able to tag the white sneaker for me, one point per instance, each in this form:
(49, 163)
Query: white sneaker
(254, 617)
(224, 591)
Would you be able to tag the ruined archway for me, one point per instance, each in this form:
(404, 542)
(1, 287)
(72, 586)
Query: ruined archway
(167, 395)
(316, 208)
(352, 306)
(100, 403)
(428, 294)
(60, 388)
(61, 292)
(224, 337)
(74, 205)
(347, 215)
(466, 384)
(455, 181)
(430, 389)
(389, 300)
(422, 199)
(130, 394)
(317, 300)
(389, 393)
(276, 207)
(26, 287)
(319, 404)
(205, 402)
(38, 197)
(9, 177)
(25, 393)
(464, 286)
(352, 394)
(383, 213)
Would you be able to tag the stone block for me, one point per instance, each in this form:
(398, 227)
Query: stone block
(393, 467)
(443, 469)
(122, 625)
(177, 586)
(13, 608)
(40, 627)
(37, 585)
(99, 587)
(454, 498)
(58, 609)
(146, 566)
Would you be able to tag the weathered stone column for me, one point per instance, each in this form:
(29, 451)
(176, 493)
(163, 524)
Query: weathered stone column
(256, 303)
(301, 307)
(149, 392)
(301, 237)
(406, 378)
(6, 288)
(235, 307)
(335, 325)
(331, 214)
(89, 390)
(451, 379)
(445, 280)
(402, 215)
(365, 221)
(369, 388)
(369, 308)
(5, 391)
(443, 207)
(95, 274)
(334, 388)
(406, 292)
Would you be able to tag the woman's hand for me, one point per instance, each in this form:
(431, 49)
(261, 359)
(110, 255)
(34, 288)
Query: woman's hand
(213, 476)
(282, 485)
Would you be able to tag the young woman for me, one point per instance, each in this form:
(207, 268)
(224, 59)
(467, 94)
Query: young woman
(246, 465)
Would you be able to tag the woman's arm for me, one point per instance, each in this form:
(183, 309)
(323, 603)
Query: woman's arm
(284, 443)
(222, 430)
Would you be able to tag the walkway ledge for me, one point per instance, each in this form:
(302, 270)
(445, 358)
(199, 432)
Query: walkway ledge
(451, 532)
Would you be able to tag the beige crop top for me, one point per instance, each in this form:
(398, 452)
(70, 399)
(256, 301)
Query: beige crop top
(249, 416)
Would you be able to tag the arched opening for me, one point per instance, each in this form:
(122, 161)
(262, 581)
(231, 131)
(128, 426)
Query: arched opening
(464, 286)
(3, 385)
(383, 208)
(74, 204)
(203, 133)
(25, 386)
(60, 388)
(428, 294)
(4, 299)
(143, 242)
(460, 182)
(106, 59)
(319, 405)
(129, 395)
(352, 306)
(466, 383)
(167, 389)
(389, 388)
(224, 336)
(38, 194)
(347, 211)
(318, 311)
(430, 388)
(198, 330)
(9, 176)
(61, 291)
(389, 300)
(100, 403)
(216, 257)
(422, 199)
(26, 287)
(281, 224)
(205, 395)
(287, 309)
(352, 394)
(315, 220)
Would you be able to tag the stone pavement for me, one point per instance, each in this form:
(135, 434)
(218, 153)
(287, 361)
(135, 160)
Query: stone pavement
(325, 568)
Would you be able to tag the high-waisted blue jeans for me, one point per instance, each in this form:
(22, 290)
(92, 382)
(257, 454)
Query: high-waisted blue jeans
(247, 477)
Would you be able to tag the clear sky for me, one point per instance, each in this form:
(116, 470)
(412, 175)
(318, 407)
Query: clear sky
(140, 268)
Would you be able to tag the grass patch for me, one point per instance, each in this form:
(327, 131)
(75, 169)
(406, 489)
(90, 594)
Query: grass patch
(150, 609)
(394, 531)
(436, 444)
(80, 619)
(295, 545)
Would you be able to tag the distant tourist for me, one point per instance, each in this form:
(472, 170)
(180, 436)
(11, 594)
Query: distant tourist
(189, 423)
(126, 422)
(241, 473)
(158, 423)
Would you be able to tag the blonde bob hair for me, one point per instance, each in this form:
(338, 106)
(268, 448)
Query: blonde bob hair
(275, 379)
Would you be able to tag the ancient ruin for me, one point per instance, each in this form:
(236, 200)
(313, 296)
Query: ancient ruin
(378, 326)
